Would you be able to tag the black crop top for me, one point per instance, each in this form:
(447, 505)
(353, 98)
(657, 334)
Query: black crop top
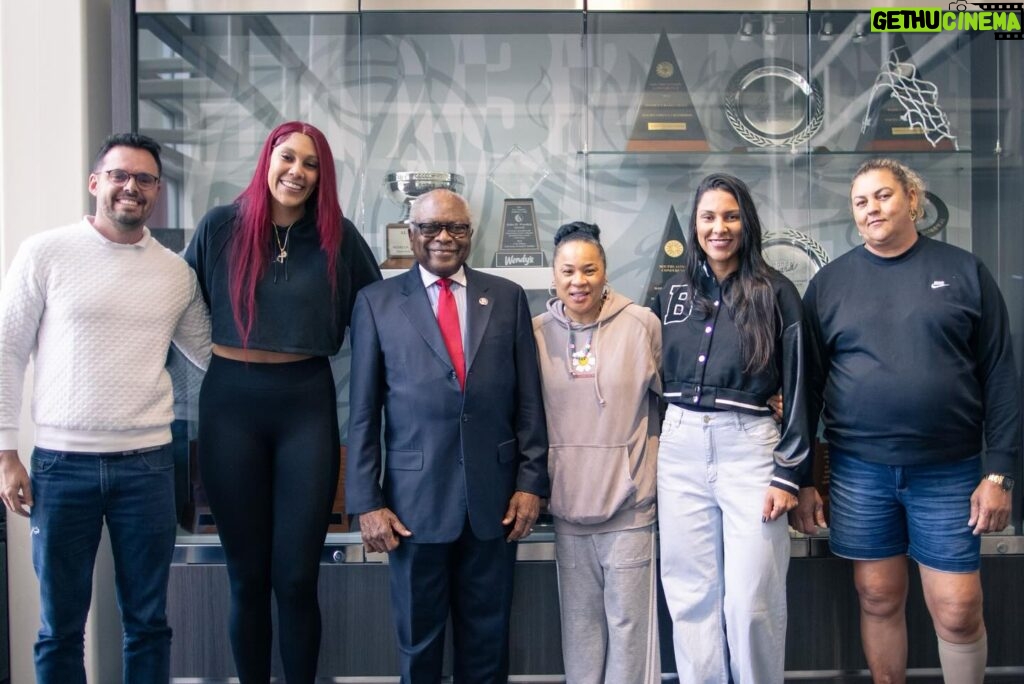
(295, 311)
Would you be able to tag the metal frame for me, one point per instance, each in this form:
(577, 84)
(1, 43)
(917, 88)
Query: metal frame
(347, 548)
(245, 6)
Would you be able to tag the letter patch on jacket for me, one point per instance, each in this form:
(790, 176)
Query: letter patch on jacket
(680, 304)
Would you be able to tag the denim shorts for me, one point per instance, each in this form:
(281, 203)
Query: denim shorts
(880, 511)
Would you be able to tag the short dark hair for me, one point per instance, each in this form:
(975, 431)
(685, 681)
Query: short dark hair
(136, 140)
(582, 232)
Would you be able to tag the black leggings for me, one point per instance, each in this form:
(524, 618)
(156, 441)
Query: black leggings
(268, 457)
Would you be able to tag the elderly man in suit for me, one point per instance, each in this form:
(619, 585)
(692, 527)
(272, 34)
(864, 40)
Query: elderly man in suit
(448, 354)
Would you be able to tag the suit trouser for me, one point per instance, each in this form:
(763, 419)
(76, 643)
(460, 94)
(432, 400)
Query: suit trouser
(472, 578)
(723, 570)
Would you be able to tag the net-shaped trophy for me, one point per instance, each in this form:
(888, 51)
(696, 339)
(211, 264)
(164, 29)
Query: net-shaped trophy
(904, 111)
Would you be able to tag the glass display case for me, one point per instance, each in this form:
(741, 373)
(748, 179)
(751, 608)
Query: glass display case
(609, 111)
(602, 111)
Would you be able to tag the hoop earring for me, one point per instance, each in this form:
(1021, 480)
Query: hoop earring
(913, 214)
(551, 290)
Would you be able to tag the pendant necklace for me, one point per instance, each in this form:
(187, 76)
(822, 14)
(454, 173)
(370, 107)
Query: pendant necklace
(583, 361)
(282, 245)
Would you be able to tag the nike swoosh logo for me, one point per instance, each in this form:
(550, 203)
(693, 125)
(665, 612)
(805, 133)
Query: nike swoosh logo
(939, 283)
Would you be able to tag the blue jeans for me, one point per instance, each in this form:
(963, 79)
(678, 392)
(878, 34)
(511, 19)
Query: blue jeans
(74, 492)
(880, 511)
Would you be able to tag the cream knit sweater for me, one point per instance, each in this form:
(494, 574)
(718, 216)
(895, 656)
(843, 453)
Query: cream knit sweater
(98, 317)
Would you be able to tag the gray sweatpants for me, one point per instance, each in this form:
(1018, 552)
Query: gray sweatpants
(606, 589)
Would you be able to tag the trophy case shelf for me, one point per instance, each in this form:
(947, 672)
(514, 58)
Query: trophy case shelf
(530, 278)
(783, 153)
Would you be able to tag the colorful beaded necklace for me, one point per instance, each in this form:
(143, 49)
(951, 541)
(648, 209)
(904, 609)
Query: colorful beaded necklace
(582, 361)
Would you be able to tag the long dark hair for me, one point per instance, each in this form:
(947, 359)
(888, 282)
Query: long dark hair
(750, 298)
(251, 252)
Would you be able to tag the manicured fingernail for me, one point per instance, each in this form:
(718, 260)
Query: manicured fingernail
(764, 518)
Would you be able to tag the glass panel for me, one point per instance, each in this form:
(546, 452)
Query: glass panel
(479, 94)
(883, 90)
(458, 93)
(611, 117)
(645, 154)
(211, 87)
(867, 117)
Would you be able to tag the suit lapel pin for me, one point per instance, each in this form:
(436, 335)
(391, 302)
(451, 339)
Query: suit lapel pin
(483, 301)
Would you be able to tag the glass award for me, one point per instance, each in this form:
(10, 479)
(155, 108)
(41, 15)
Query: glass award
(769, 103)
(518, 176)
(795, 255)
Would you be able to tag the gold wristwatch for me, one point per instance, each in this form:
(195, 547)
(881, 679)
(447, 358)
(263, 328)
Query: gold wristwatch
(1005, 482)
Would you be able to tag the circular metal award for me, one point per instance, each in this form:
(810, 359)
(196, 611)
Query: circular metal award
(770, 104)
(795, 255)
(935, 215)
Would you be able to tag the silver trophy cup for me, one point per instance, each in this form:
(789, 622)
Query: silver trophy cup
(405, 186)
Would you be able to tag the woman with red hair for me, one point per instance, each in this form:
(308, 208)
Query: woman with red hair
(279, 269)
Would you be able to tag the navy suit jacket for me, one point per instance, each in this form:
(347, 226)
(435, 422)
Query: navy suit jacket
(449, 453)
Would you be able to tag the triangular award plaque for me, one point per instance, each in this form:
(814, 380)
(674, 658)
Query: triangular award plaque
(671, 257)
(666, 120)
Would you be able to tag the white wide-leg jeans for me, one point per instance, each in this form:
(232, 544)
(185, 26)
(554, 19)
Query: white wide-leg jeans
(723, 570)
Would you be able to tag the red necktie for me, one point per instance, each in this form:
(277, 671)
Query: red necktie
(448, 321)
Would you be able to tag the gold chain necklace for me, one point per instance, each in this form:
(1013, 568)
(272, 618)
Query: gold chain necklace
(282, 246)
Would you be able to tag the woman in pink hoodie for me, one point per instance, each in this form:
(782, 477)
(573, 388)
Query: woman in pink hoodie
(599, 356)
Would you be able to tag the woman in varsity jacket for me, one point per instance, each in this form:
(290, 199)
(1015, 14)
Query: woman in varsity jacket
(728, 473)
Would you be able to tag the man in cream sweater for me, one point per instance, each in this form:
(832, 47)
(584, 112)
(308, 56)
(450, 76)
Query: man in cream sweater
(97, 303)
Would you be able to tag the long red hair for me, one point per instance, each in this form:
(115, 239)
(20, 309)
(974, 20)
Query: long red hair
(251, 251)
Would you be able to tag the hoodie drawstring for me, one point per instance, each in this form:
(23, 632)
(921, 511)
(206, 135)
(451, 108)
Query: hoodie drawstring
(597, 366)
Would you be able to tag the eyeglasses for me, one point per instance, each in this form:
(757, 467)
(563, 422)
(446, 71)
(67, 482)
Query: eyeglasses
(143, 180)
(433, 229)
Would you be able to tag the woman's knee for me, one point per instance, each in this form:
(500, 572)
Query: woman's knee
(295, 583)
(955, 603)
(250, 580)
(958, 619)
(882, 597)
(882, 586)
